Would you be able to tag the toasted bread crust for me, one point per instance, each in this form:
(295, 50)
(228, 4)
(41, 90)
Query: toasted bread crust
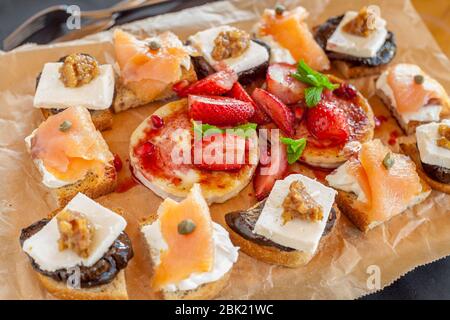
(410, 149)
(346, 203)
(116, 290)
(92, 186)
(350, 71)
(273, 255)
(126, 99)
(102, 119)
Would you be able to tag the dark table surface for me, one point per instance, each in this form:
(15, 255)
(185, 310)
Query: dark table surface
(427, 282)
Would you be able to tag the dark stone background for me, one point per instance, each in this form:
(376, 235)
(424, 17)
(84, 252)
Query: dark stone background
(427, 282)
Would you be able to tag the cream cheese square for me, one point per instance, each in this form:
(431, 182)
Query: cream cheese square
(430, 152)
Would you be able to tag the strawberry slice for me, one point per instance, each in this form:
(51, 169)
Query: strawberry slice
(277, 110)
(215, 84)
(282, 85)
(326, 121)
(220, 152)
(238, 92)
(268, 174)
(219, 111)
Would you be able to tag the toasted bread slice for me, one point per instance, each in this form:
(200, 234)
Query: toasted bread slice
(346, 203)
(116, 290)
(350, 71)
(126, 99)
(102, 119)
(410, 149)
(92, 186)
(272, 254)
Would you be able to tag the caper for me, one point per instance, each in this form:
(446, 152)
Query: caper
(279, 9)
(65, 126)
(154, 45)
(186, 227)
(388, 161)
(418, 78)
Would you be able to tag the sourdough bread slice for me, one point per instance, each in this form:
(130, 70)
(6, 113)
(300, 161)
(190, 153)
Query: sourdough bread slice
(102, 119)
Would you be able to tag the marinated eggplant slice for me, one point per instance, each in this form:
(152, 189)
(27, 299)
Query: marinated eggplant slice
(437, 173)
(384, 55)
(102, 272)
(243, 223)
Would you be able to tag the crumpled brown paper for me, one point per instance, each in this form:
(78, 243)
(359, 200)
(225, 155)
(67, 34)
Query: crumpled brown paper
(342, 267)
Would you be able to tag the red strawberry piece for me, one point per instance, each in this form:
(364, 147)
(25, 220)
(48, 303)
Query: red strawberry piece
(221, 152)
(220, 111)
(267, 175)
(281, 84)
(180, 86)
(327, 121)
(215, 84)
(277, 110)
(238, 92)
(299, 111)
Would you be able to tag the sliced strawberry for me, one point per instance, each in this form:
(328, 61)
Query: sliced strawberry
(220, 111)
(215, 84)
(328, 122)
(282, 85)
(277, 110)
(238, 92)
(180, 86)
(221, 152)
(267, 175)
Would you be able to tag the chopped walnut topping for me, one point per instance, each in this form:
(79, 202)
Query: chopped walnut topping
(78, 69)
(444, 132)
(230, 44)
(364, 23)
(299, 204)
(76, 233)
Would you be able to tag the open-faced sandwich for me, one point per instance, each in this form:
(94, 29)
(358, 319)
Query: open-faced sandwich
(287, 227)
(377, 185)
(201, 139)
(357, 43)
(228, 47)
(80, 252)
(431, 153)
(289, 38)
(77, 80)
(72, 156)
(413, 97)
(306, 104)
(192, 256)
(149, 68)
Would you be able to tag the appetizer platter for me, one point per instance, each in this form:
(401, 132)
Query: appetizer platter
(275, 156)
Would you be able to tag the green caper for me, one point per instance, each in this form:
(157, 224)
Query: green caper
(279, 9)
(65, 126)
(419, 79)
(154, 45)
(388, 161)
(186, 227)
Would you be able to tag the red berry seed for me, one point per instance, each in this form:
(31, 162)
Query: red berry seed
(117, 163)
(346, 91)
(157, 121)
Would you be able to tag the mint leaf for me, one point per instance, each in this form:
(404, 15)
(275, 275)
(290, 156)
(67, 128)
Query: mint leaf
(294, 148)
(205, 129)
(313, 96)
(244, 130)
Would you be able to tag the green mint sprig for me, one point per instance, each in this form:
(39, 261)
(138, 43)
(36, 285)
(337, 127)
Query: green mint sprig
(316, 81)
(294, 148)
(243, 130)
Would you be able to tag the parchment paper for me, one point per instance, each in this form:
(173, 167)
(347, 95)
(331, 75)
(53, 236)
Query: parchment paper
(338, 271)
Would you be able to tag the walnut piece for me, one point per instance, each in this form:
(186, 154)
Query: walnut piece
(444, 132)
(78, 69)
(76, 233)
(364, 23)
(230, 44)
(299, 204)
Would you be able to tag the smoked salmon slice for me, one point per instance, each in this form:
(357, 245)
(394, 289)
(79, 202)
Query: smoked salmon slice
(390, 191)
(186, 253)
(291, 31)
(409, 95)
(69, 154)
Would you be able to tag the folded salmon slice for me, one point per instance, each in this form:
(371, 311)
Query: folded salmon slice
(291, 31)
(138, 62)
(70, 154)
(409, 95)
(389, 191)
(186, 253)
